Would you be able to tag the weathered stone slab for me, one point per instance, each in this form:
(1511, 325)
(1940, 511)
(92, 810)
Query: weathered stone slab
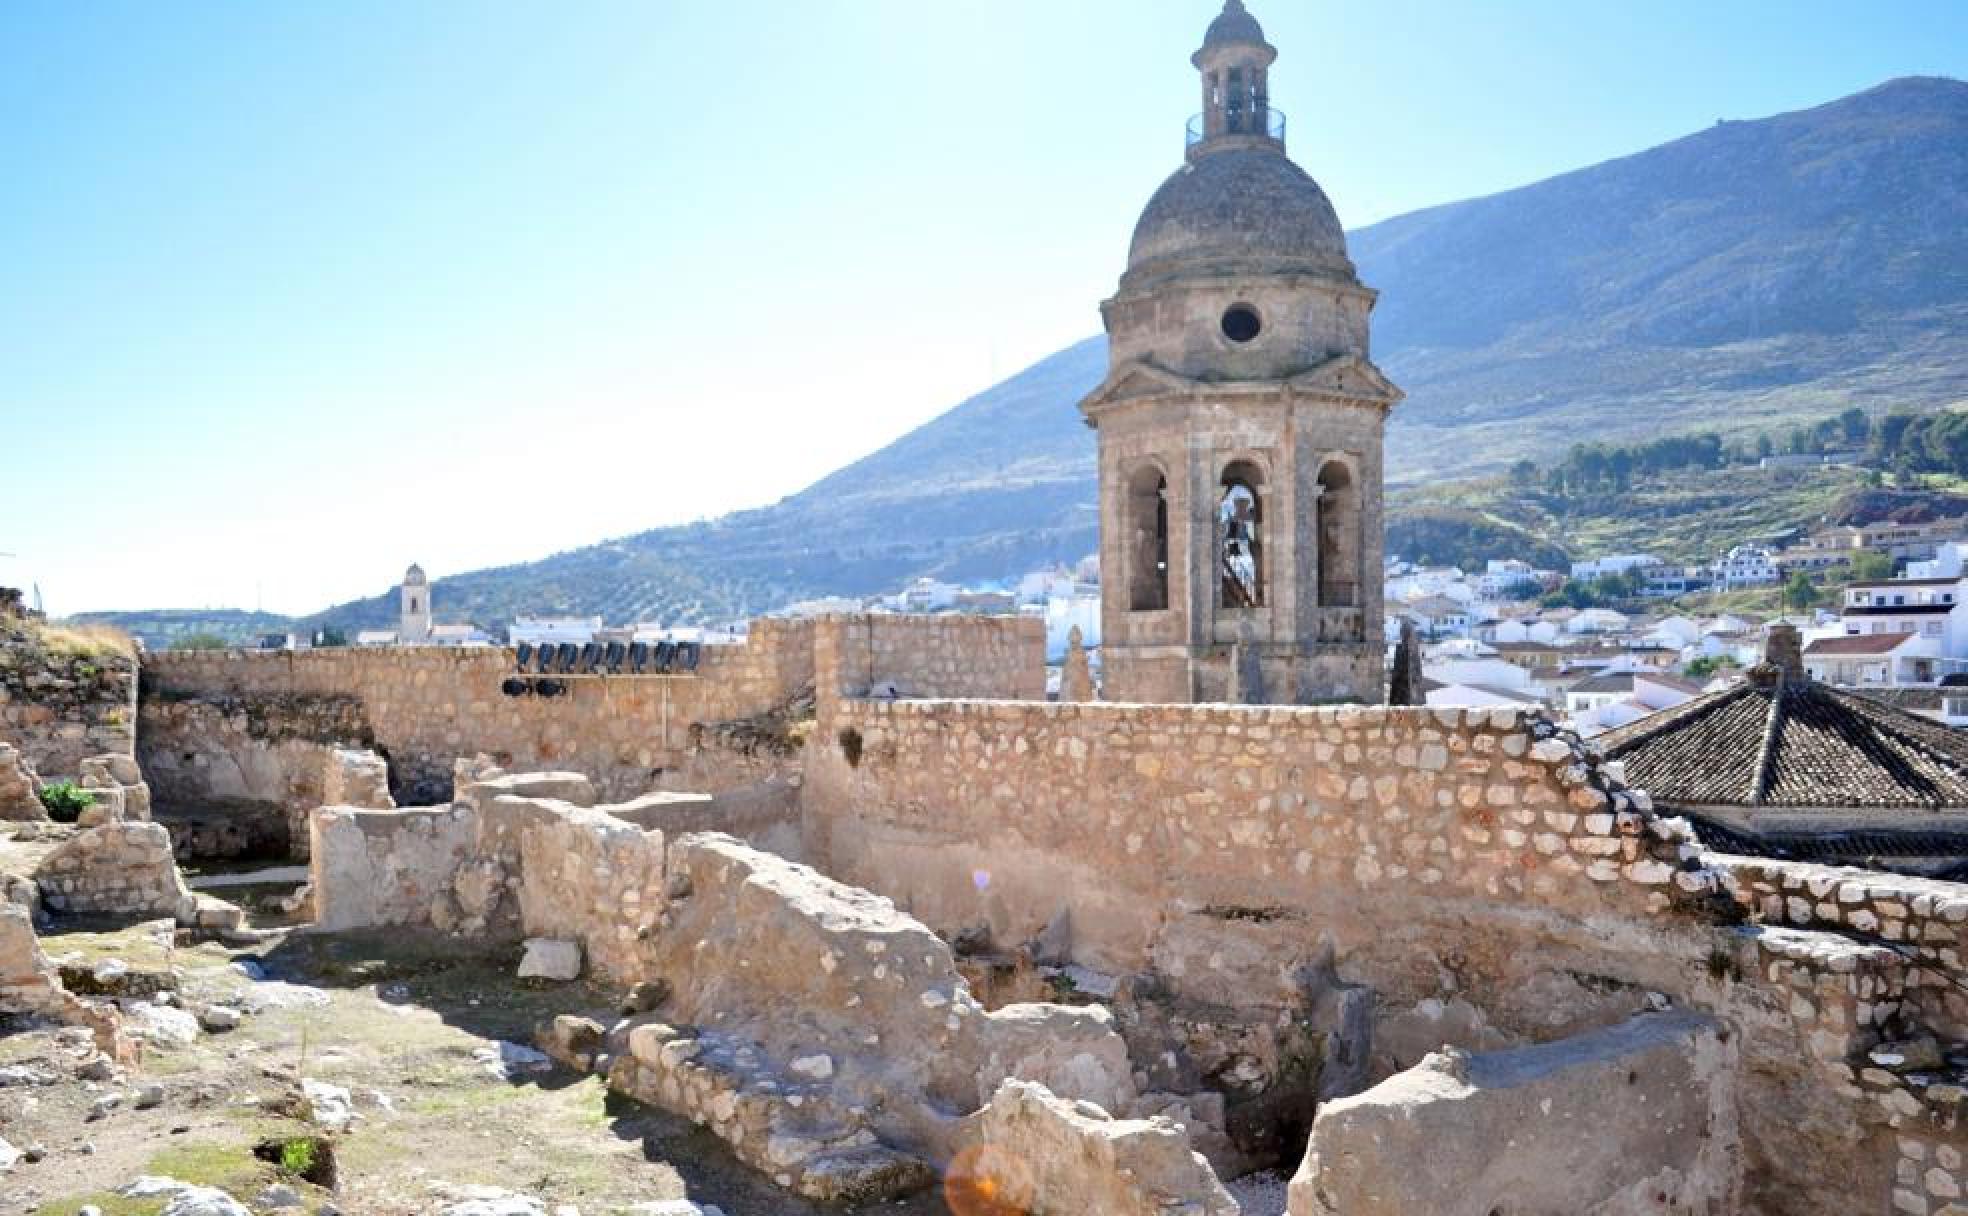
(1636, 1118)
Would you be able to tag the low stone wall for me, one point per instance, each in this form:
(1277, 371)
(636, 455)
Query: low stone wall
(518, 855)
(122, 869)
(426, 707)
(371, 868)
(834, 1039)
(59, 705)
(766, 817)
(1921, 921)
(829, 1039)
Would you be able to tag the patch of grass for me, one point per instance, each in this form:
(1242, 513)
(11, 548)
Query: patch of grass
(85, 640)
(231, 1167)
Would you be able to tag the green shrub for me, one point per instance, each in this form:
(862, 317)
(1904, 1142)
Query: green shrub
(297, 1156)
(66, 801)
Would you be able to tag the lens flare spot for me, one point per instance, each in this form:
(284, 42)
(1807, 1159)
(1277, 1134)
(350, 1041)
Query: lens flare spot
(981, 879)
(986, 1180)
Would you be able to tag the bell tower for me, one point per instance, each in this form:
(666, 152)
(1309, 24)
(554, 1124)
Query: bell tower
(415, 625)
(1240, 426)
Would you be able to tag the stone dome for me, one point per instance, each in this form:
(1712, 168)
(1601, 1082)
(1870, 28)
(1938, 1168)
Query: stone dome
(1234, 25)
(1238, 211)
(414, 576)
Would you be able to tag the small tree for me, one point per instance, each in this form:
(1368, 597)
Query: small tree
(1871, 567)
(1799, 593)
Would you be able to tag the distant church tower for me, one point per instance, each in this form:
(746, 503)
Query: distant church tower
(416, 626)
(1240, 423)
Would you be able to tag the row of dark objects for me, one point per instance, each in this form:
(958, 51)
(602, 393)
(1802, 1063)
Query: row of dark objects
(612, 658)
(516, 687)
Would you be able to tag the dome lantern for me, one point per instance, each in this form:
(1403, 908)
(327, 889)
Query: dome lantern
(1235, 62)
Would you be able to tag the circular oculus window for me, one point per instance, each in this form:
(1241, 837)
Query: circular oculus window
(1241, 323)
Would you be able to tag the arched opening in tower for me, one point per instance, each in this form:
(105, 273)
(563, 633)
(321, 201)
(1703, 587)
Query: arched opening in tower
(1240, 537)
(1148, 528)
(1339, 536)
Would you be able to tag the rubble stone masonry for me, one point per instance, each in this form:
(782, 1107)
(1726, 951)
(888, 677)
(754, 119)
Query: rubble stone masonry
(60, 707)
(1449, 860)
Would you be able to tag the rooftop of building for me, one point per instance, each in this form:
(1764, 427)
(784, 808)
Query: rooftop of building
(1781, 739)
(1857, 644)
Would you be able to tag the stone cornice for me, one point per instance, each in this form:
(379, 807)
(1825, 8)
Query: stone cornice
(1350, 380)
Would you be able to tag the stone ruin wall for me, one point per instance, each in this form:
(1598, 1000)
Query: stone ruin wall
(1483, 882)
(122, 869)
(1138, 820)
(526, 855)
(261, 748)
(236, 776)
(60, 708)
(426, 707)
(1491, 887)
(827, 1038)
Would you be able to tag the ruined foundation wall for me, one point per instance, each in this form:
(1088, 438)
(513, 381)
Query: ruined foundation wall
(1921, 920)
(118, 869)
(1489, 883)
(267, 748)
(428, 706)
(60, 707)
(374, 868)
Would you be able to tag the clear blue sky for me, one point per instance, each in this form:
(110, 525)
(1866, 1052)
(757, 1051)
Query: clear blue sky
(292, 294)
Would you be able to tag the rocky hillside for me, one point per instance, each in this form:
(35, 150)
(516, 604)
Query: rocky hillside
(1753, 273)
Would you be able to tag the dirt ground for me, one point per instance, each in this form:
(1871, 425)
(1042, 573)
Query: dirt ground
(393, 1019)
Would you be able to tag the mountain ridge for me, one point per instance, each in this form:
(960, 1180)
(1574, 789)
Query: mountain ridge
(1753, 273)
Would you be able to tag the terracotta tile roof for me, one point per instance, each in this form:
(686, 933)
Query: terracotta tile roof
(1862, 643)
(1792, 742)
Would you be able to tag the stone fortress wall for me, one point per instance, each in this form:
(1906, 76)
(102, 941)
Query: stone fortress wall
(59, 707)
(1262, 894)
(426, 707)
